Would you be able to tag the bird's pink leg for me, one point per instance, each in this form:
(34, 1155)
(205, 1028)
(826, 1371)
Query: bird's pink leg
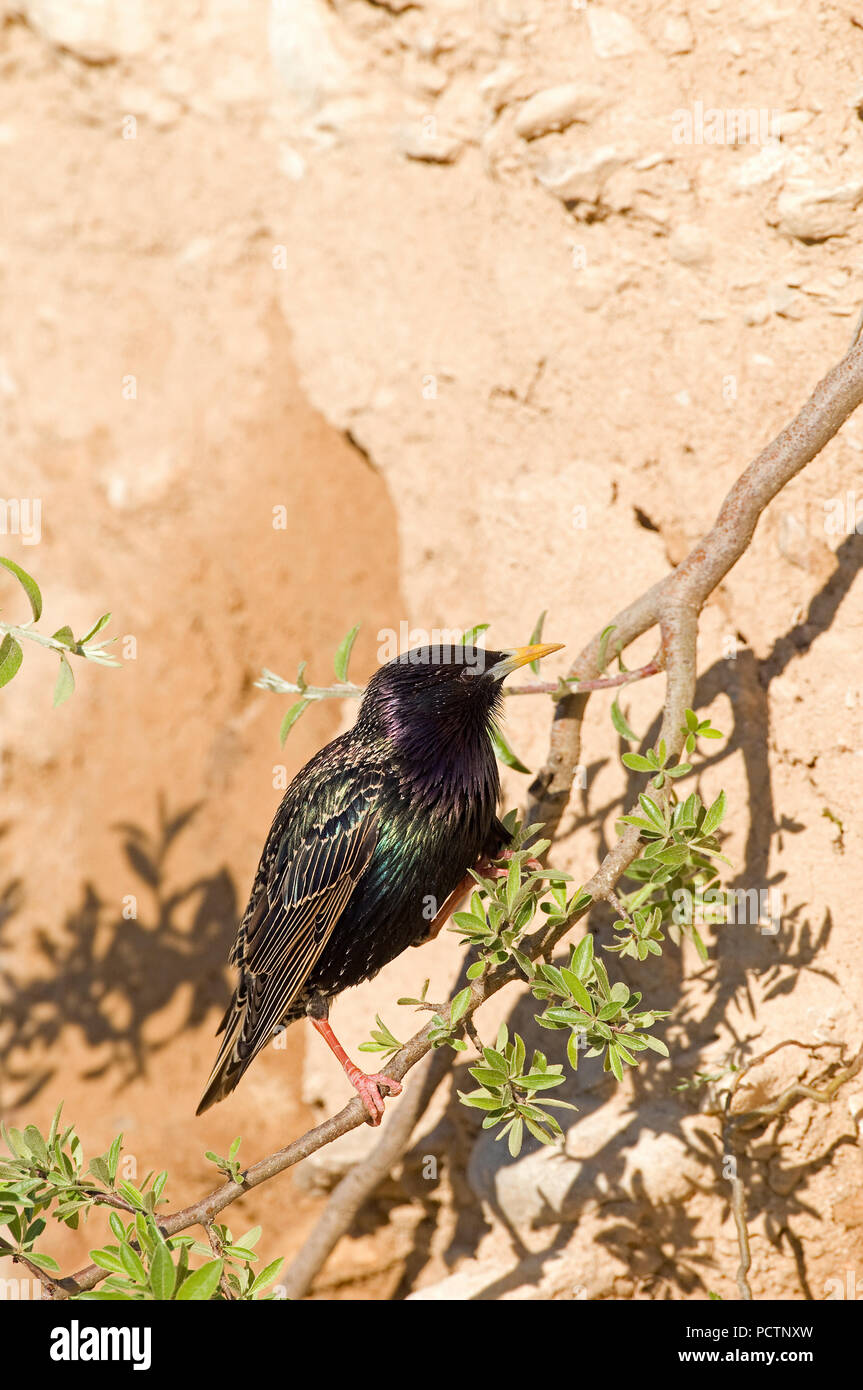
(451, 905)
(368, 1087)
(486, 869)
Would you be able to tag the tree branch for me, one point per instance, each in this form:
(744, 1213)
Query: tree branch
(360, 1184)
(687, 588)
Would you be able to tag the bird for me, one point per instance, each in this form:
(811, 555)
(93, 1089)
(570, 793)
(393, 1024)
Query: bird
(370, 851)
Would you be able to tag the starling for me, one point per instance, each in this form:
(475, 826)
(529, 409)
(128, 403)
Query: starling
(378, 829)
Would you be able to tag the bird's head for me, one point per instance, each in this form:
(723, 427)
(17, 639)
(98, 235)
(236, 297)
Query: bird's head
(451, 691)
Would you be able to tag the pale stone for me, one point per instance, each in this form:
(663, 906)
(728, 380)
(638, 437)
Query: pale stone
(790, 122)
(557, 108)
(428, 146)
(814, 213)
(580, 177)
(755, 314)
(304, 43)
(99, 31)
(677, 36)
(760, 168)
(783, 300)
(505, 83)
(689, 245)
(572, 1273)
(612, 34)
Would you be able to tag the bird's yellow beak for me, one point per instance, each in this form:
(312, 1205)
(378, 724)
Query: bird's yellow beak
(520, 656)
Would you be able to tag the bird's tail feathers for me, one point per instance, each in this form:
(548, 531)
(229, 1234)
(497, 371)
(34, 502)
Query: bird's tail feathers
(233, 1057)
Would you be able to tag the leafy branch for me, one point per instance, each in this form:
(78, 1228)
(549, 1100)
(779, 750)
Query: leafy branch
(46, 1175)
(63, 641)
(343, 689)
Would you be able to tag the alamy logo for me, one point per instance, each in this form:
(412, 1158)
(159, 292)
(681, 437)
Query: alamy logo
(21, 516)
(412, 643)
(695, 125)
(76, 1343)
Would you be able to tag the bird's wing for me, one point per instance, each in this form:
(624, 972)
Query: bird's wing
(289, 922)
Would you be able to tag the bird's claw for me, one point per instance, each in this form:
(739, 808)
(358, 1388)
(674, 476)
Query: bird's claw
(500, 871)
(368, 1088)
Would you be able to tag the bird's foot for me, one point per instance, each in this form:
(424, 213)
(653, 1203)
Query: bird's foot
(368, 1088)
(490, 870)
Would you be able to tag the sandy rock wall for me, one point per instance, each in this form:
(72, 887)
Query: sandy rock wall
(499, 297)
(572, 266)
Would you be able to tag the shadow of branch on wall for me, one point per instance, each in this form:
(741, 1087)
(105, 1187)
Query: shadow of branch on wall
(108, 971)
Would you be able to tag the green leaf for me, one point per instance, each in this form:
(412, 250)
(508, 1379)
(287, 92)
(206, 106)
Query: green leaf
(11, 657)
(97, 627)
(496, 1060)
(266, 1276)
(618, 719)
(582, 958)
(538, 1080)
(486, 1077)
(44, 1261)
(572, 1049)
(542, 1135)
(480, 1101)
(610, 1010)
(470, 637)
(673, 856)
(603, 646)
(36, 1144)
(504, 753)
(536, 636)
(99, 1169)
(342, 658)
(524, 963)
(577, 990)
(699, 945)
(202, 1284)
(614, 1061)
(163, 1274)
(554, 976)
(251, 1238)
(636, 763)
(133, 1264)
(714, 815)
(470, 921)
(291, 718)
(28, 584)
(652, 811)
(459, 1006)
(65, 682)
(516, 1136)
(114, 1156)
(65, 635)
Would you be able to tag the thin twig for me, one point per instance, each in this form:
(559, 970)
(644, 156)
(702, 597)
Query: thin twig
(216, 1247)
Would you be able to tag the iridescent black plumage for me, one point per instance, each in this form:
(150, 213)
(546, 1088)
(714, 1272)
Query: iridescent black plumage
(371, 837)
